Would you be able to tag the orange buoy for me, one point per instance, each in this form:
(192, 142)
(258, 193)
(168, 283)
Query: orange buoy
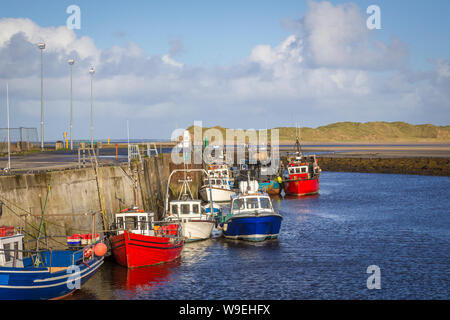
(100, 249)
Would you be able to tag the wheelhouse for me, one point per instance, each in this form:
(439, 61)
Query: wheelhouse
(135, 222)
(304, 166)
(219, 171)
(11, 251)
(221, 183)
(298, 169)
(184, 208)
(251, 203)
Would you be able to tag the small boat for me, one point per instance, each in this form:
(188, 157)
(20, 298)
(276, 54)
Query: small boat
(271, 187)
(44, 274)
(140, 241)
(197, 224)
(251, 216)
(302, 174)
(220, 184)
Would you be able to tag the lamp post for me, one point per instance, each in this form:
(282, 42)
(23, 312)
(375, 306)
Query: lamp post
(71, 62)
(92, 71)
(9, 136)
(41, 46)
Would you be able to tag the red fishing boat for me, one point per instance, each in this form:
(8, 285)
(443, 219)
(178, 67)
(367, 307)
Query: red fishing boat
(140, 241)
(302, 176)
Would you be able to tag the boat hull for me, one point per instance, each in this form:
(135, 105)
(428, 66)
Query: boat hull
(218, 194)
(252, 228)
(133, 250)
(196, 230)
(44, 283)
(302, 187)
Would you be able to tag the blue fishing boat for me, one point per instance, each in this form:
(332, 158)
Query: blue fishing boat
(251, 216)
(44, 274)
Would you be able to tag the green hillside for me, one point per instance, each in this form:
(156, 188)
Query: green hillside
(362, 132)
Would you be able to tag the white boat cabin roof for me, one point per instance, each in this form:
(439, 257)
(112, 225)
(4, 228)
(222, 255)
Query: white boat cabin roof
(136, 222)
(251, 203)
(185, 206)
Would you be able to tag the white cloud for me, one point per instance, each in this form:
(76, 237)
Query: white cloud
(167, 60)
(330, 69)
(57, 39)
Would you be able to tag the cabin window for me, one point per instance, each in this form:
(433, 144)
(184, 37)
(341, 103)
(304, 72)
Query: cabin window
(119, 223)
(297, 170)
(185, 208)
(219, 182)
(238, 204)
(252, 203)
(303, 169)
(265, 203)
(195, 208)
(174, 209)
(6, 248)
(131, 223)
(291, 171)
(143, 223)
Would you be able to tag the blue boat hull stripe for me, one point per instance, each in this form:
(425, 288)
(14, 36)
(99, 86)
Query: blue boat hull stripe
(68, 274)
(93, 269)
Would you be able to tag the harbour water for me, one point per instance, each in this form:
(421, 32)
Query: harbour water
(400, 223)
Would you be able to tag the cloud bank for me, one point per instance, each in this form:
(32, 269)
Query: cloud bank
(330, 68)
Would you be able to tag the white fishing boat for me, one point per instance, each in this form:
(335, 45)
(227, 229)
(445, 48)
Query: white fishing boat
(196, 223)
(219, 186)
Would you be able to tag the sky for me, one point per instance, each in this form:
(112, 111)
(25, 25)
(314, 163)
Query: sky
(243, 64)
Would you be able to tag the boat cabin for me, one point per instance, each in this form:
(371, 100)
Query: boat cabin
(251, 203)
(223, 183)
(11, 251)
(185, 207)
(219, 171)
(303, 166)
(135, 222)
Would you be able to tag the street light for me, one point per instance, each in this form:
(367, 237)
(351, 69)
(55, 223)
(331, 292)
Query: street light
(41, 46)
(71, 62)
(92, 71)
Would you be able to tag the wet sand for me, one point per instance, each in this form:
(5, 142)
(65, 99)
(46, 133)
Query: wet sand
(385, 150)
(62, 160)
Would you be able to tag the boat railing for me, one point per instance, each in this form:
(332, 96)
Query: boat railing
(36, 255)
(167, 232)
(160, 231)
(88, 251)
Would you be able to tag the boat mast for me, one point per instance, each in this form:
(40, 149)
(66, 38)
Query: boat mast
(297, 141)
(9, 136)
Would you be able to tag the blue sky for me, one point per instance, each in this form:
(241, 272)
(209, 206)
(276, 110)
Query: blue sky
(169, 63)
(218, 32)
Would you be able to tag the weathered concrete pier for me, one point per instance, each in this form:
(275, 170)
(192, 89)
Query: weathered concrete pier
(64, 197)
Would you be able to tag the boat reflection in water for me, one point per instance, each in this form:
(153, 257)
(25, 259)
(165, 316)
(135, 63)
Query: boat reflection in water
(131, 282)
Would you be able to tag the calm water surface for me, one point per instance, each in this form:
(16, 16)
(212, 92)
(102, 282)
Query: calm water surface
(400, 223)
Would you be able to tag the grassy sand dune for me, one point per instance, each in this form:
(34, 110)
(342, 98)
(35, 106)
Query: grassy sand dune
(368, 132)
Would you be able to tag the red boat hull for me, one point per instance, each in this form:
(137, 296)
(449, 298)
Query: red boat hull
(302, 187)
(134, 250)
